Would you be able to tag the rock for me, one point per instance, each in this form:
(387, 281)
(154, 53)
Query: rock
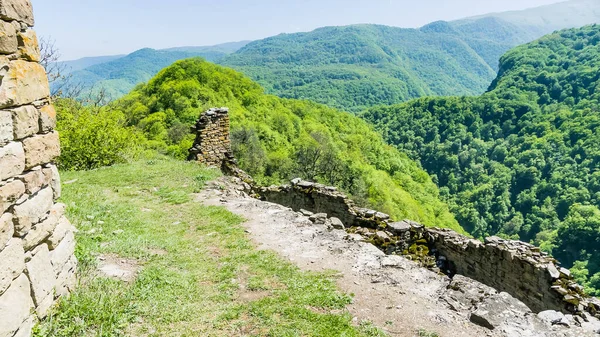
(44, 229)
(15, 306)
(28, 45)
(8, 38)
(496, 310)
(35, 180)
(55, 182)
(13, 263)
(61, 230)
(12, 160)
(571, 299)
(383, 236)
(6, 229)
(393, 261)
(337, 223)
(66, 280)
(32, 211)
(6, 127)
(554, 273)
(26, 327)
(20, 10)
(63, 252)
(23, 83)
(565, 272)
(10, 193)
(42, 278)
(399, 228)
(41, 149)
(47, 118)
(306, 213)
(552, 317)
(319, 218)
(355, 237)
(25, 121)
(305, 184)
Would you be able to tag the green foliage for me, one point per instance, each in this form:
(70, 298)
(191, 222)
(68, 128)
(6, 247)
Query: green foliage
(278, 139)
(521, 161)
(93, 137)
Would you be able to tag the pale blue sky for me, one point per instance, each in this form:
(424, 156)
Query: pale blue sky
(106, 27)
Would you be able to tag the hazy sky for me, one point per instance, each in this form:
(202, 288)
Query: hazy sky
(106, 27)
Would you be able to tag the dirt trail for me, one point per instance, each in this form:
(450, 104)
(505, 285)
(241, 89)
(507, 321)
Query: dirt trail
(394, 293)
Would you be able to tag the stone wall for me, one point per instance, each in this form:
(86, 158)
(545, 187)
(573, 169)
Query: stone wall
(515, 267)
(37, 263)
(212, 145)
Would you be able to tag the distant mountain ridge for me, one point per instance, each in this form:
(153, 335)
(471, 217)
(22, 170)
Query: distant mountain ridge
(359, 66)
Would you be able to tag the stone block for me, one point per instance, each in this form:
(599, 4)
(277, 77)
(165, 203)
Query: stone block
(66, 280)
(42, 278)
(59, 233)
(13, 263)
(20, 10)
(26, 327)
(32, 211)
(8, 38)
(6, 127)
(63, 252)
(41, 149)
(10, 193)
(15, 306)
(28, 45)
(55, 181)
(44, 229)
(22, 83)
(36, 179)
(12, 160)
(25, 121)
(7, 229)
(47, 118)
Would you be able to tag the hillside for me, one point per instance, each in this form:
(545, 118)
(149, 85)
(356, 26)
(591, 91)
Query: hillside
(278, 139)
(82, 63)
(520, 161)
(121, 74)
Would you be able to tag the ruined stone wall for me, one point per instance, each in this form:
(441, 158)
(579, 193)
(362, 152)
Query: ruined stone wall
(37, 263)
(515, 267)
(212, 145)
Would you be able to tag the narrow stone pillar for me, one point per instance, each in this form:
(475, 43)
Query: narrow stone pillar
(212, 146)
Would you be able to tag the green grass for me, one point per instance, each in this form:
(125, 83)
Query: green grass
(200, 275)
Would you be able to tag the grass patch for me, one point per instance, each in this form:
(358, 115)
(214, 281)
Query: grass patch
(200, 275)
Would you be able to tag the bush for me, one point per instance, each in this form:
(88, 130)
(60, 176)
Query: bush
(93, 137)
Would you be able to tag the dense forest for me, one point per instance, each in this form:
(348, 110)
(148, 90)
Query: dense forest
(274, 139)
(522, 160)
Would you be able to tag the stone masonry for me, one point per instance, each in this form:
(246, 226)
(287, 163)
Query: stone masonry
(37, 262)
(212, 146)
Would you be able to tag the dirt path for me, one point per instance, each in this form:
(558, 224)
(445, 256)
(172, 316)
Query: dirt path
(394, 293)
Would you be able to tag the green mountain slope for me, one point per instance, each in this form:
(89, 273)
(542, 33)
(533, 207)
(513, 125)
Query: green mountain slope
(121, 75)
(82, 63)
(522, 160)
(277, 139)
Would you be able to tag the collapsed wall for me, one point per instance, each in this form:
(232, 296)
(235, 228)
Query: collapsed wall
(37, 262)
(515, 267)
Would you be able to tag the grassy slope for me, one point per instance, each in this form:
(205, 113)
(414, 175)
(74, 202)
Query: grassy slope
(195, 260)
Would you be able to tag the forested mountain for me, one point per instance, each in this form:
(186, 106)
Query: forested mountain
(121, 74)
(522, 160)
(360, 66)
(82, 63)
(277, 139)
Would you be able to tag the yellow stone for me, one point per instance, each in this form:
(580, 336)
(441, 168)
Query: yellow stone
(22, 83)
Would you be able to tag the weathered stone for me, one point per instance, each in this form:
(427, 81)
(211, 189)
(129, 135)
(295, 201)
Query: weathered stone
(15, 306)
(25, 121)
(494, 311)
(20, 10)
(61, 230)
(32, 211)
(319, 218)
(13, 263)
(554, 273)
(8, 38)
(7, 229)
(44, 229)
(552, 317)
(337, 223)
(41, 149)
(42, 278)
(35, 180)
(565, 272)
(66, 280)
(10, 193)
(399, 228)
(63, 252)
(22, 83)
(6, 127)
(47, 118)
(55, 182)
(12, 160)
(28, 45)
(306, 213)
(26, 327)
